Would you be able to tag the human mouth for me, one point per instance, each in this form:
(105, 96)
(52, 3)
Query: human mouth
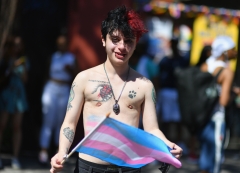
(119, 55)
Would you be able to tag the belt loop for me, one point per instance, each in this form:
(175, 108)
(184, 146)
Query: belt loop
(119, 170)
(90, 169)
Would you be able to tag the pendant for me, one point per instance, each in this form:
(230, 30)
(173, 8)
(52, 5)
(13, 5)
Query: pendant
(116, 108)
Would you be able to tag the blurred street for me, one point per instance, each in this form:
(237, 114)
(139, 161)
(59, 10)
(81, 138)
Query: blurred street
(31, 165)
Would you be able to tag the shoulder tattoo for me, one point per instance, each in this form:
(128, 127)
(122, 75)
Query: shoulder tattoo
(154, 98)
(69, 134)
(71, 97)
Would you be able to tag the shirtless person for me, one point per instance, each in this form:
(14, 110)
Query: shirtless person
(99, 89)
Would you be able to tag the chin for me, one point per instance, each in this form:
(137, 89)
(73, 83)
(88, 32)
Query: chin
(119, 59)
(119, 62)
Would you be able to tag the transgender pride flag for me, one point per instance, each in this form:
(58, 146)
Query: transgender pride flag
(124, 145)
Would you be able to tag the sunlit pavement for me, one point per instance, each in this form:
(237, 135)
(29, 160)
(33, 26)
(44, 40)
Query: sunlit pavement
(31, 165)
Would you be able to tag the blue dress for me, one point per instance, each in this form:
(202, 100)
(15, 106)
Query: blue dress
(13, 95)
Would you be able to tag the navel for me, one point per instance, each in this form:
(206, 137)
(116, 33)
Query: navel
(98, 104)
(130, 106)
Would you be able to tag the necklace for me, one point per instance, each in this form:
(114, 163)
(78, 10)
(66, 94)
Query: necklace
(116, 107)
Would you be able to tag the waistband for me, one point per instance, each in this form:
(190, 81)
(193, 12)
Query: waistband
(94, 167)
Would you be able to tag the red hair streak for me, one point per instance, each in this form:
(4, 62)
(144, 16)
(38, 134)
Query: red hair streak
(136, 24)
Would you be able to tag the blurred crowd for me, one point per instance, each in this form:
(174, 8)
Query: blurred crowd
(156, 57)
(13, 99)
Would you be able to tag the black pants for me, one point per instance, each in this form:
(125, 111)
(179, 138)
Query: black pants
(83, 166)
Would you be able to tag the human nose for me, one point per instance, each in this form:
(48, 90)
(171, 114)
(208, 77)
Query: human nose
(121, 45)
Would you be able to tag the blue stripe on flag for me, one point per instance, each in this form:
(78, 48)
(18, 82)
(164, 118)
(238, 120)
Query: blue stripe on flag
(106, 157)
(137, 135)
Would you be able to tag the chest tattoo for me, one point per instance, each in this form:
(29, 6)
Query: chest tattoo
(132, 94)
(104, 92)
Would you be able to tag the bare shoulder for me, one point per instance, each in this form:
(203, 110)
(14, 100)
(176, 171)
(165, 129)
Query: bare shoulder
(83, 76)
(141, 80)
(145, 86)
(226, 75)
(227, 71)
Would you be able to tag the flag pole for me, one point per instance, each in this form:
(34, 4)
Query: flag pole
(80, 143)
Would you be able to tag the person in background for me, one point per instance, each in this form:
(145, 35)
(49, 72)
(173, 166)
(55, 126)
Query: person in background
(12, 93)
(213, 134)
(55, 95)
(146, 65)
(193, 152)
(205, 54)
(168, 107)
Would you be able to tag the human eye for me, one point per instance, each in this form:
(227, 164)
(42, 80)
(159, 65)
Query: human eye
(128, 41)
(115, 39)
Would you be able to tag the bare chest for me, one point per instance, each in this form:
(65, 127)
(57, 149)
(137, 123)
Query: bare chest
(99, 94)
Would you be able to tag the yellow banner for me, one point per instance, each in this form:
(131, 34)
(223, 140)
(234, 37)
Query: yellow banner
(206, 28)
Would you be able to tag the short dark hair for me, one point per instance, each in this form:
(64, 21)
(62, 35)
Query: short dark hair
(125, 20)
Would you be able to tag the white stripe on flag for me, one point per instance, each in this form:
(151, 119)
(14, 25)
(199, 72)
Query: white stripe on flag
(101, 137)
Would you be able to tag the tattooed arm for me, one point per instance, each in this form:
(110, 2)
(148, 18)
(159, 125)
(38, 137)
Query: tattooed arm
(67, 131)
(150, 121)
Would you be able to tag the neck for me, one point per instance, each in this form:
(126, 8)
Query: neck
(120, 70)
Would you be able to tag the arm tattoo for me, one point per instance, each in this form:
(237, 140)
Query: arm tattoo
(132, 94)
(154, 98)
(69, 134)
(71, 97)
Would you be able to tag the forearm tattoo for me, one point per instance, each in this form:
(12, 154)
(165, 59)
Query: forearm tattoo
(154, 98)
(71, 97)
(69, 134)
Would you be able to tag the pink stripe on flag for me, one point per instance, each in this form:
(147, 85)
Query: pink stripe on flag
(91, 124)
(139, 149)
(114, 151)
(142, 151)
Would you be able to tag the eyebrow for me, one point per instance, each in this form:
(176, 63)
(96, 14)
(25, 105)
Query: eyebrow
(114, 36)
(125, 38)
